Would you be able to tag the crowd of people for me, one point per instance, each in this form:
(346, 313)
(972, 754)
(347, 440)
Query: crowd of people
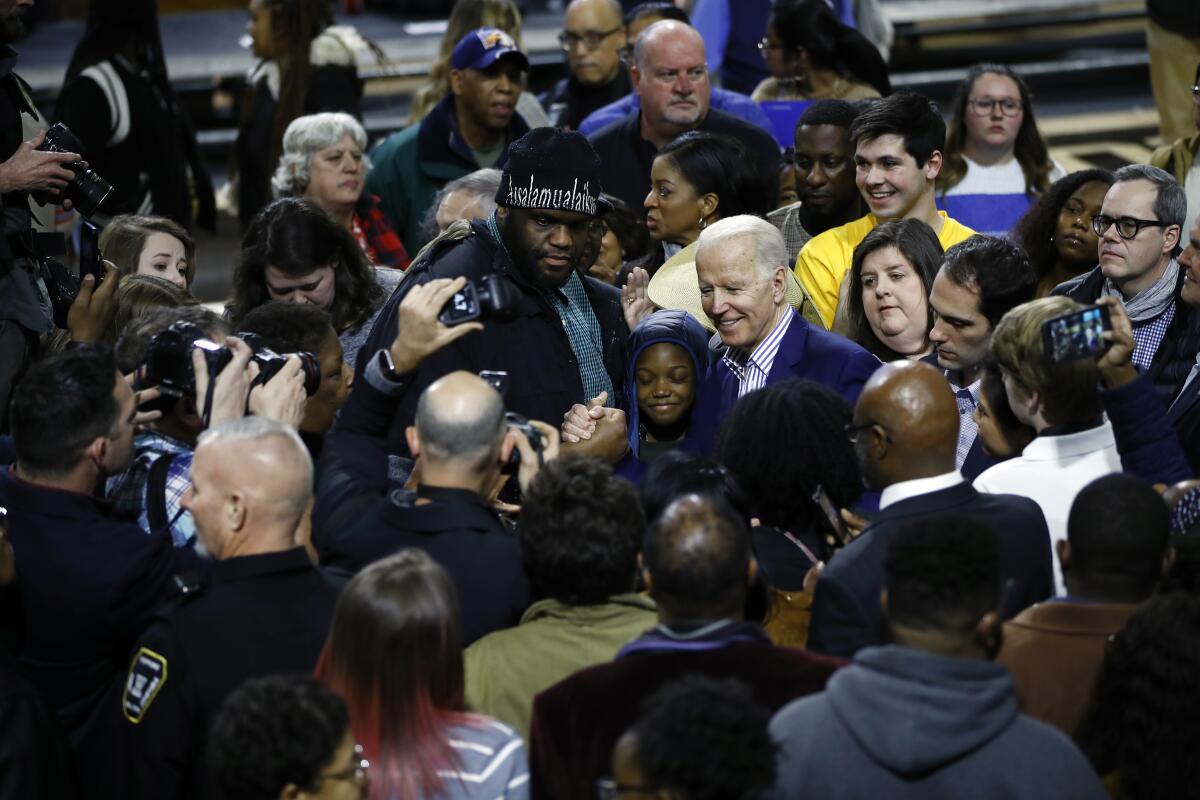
(597, 444)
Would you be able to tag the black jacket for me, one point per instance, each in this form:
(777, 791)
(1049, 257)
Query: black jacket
(569, 102)
(356, 520)
(1175, 355)
(1184, 415)
(34, 761)
(139, 141)
(846, 615)
(87, 586)
(627, 157)
(259, 615)
(543, 376)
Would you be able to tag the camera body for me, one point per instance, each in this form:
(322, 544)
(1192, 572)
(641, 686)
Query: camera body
(522, 426)
(168, 360)
(491, 298)
(87, 190)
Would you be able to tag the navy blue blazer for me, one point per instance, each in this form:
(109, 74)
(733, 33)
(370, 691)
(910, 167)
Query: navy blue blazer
(846, 615)
(805, 352)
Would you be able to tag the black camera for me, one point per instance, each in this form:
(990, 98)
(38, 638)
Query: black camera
(522, 426)
(87, 190)
(168, 360)
(491, 298)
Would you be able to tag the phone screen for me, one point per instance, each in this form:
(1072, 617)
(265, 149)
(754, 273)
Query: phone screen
(90, 260)
(1076, 335)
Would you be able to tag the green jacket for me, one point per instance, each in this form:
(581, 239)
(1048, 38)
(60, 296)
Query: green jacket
(505, 669)
(411, 166)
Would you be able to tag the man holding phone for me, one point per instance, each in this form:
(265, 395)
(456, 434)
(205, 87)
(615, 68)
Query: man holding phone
(1061, 401)
(562, 339)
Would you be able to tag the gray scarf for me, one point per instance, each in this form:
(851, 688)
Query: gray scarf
(1150, 302)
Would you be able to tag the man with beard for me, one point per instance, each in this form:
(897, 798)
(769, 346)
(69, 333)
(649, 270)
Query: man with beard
(560, 335)
(24, 304)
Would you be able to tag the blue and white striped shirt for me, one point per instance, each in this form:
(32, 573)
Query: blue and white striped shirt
(752, 370)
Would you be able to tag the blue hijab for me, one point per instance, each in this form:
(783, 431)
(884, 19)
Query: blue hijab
(669, 325)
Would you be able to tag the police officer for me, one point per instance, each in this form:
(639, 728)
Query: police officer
(265, 610)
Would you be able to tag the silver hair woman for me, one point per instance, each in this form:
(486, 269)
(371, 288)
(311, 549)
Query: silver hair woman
(323, 161)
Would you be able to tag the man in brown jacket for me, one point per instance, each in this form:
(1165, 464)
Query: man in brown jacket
(1114, 554)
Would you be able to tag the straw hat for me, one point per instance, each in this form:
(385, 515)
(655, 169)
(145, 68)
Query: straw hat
(675, 286)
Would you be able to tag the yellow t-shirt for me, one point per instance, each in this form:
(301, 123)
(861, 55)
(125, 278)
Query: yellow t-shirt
(825, 259)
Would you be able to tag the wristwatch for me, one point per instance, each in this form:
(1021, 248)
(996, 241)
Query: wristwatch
(388, 367)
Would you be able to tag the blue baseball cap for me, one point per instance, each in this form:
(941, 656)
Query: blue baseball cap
(483, 47)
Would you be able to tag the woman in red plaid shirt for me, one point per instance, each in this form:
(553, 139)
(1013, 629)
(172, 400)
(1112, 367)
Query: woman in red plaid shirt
(323, 161)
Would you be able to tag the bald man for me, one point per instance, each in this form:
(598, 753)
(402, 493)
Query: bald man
(905, 431)
(265, 611)
(672, 83)
(697, 566)
(592, 39)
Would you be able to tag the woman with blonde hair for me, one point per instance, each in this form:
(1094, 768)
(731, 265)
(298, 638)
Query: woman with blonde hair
(466, 16)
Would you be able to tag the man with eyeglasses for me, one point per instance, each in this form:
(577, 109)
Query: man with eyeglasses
(905, 432)
(593, 39)
(1140, 227)
(671, 78)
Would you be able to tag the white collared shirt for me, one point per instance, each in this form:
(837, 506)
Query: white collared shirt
(752, 370)
(917, 487)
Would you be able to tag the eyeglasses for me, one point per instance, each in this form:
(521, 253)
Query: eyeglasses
(852, 431)
(590, 39)
(982, 106)
(1127, 227)
(608, 789)
(359, 772)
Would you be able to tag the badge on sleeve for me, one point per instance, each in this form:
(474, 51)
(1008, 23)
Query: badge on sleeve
(147, 674)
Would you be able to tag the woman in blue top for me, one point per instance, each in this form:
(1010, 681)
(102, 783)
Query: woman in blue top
(995, 162)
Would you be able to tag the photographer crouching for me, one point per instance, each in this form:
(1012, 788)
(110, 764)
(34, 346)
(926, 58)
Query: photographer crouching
(558, 334)
(465, 445)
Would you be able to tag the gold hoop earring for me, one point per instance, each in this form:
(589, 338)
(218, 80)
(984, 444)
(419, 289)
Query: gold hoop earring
(703, 224)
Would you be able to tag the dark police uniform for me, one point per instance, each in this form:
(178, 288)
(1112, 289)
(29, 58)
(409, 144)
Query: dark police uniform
(259, 615)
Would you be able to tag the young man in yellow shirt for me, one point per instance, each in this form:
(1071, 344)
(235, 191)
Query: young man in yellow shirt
(898, 155)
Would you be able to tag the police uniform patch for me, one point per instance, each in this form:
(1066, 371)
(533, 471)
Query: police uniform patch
(147, 674)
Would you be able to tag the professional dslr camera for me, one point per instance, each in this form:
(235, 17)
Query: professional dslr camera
(521, 425)
(168, 360)
(491, 298)
(87, 190)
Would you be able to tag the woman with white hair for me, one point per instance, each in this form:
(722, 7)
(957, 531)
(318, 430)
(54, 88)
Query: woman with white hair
(323, 161)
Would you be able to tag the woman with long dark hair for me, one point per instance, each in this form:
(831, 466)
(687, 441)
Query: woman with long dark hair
(995, 164)
(118, 100)
(306, 65)
(294, 252)
(813, 56)
(394, 653)
(891, 276)
(1057, 232)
